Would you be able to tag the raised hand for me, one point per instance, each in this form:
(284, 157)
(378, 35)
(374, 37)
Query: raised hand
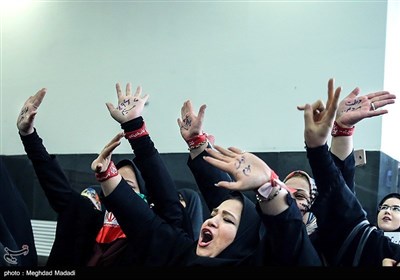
(354, 108)
(248, 170)
(318, 124)
(101, 163)
(189, 124)
(26, 117)
(129, 106)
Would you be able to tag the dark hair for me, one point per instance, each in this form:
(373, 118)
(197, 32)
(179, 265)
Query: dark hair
(386, 197)
(235, 195)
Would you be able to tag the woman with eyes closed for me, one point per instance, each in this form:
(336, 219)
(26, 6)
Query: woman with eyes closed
(229, 237)
(159, 239)
(207, 175)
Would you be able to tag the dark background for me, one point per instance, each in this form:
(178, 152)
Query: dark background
(374, 180)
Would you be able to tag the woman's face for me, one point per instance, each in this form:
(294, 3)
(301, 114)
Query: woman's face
(219, 231)
(129, 175)
(389, 215)
(302, 194)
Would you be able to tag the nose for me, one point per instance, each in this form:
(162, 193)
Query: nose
(212, 222)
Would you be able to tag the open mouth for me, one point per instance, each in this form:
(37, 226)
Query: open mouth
(205, 238)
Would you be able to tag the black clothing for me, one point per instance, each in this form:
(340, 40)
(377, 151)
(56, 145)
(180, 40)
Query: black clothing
(17, 244)
(338, 211)
(78, 222)
(286, 242)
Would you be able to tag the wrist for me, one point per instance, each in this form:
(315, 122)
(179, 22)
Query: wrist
(260, 198)
(132, 124)
(111, 171)
(137, 133)
(197, 141)
(25, 133)
(271, 189)
(338, 130)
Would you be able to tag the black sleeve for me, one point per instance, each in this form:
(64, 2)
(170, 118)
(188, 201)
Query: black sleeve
(51, 177)
(347, 168)
(159, 183)
(287, 241)
(15, 225)
(336, 207)
(154, 241)
(206, 175)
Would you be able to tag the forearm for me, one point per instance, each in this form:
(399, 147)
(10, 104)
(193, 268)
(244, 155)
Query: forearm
(51, 177)
(206, 176)
(159, 183)
(336, 208)
(287, 237)
(347, 168)
(276, 203)
(342, 146)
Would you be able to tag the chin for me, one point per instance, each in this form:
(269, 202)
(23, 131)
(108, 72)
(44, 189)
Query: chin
(203, 253)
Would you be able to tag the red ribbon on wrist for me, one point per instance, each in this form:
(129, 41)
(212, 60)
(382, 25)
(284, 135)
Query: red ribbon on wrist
(337, 130)
(197, 141)
(135, 134)
(111, 171)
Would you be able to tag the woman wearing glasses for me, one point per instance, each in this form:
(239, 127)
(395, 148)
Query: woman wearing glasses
(389, 213)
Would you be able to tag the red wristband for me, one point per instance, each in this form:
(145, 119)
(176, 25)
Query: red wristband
(111, 171)
(337, 130)
(197, 141)
(132, 135)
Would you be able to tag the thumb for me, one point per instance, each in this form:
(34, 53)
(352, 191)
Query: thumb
(308, 115)
(110, 107)
(32, 117)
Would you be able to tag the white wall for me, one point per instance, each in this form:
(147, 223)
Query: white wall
(250, 62)
(390, 124)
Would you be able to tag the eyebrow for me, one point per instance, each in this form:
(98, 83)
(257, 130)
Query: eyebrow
(395, 205)
(224, 212)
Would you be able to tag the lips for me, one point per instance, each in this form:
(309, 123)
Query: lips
(386, 218)
(205, 238)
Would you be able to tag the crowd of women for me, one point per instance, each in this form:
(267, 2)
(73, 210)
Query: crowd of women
(139, 217)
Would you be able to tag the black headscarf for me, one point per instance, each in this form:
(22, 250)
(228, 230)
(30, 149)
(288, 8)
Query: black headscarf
(139, 178)
(243, 248)
(194, 209)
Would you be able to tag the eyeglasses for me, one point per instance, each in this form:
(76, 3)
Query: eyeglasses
(384, 207)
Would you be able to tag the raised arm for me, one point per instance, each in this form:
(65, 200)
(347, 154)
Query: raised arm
(155, 241)
(337, 209)
(159, 183)
(51, 177)
(351, 110)
(286, 242)
(206, 175)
